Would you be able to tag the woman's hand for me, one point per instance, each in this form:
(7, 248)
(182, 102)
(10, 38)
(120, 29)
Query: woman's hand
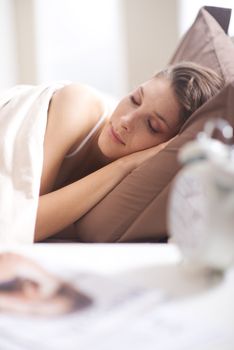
(136, 159)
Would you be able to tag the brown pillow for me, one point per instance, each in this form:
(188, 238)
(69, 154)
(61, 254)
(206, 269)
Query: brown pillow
(135, 210)
(207, 44)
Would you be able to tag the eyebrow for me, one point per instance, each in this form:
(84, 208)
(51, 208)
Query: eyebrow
(163, 119)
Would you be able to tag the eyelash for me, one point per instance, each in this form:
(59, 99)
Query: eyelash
(132, 98)
(152, 130)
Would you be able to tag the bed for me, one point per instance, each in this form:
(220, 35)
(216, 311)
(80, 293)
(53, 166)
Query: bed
(136, 209)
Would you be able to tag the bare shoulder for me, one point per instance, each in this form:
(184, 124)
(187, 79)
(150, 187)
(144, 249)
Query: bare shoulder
(71, 91)
(73, 111)
(76, 98)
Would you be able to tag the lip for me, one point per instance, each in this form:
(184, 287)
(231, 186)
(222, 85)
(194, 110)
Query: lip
(115, 136)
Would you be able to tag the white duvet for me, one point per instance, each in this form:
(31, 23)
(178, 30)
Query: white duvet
(23, 119)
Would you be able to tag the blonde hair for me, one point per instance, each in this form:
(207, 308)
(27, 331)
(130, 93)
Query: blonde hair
(193, 85)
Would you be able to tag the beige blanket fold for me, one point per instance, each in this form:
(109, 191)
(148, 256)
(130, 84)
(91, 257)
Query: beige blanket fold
(23, 118)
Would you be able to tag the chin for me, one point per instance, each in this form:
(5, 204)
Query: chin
(103, 148)
(110, 156)
(107, 152)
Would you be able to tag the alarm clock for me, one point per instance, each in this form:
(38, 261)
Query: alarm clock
(201, 203)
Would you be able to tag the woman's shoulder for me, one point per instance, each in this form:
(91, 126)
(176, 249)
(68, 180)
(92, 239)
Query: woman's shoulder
(81, 95)
(71, 89)
(78, 106)
(72, 112)
(76, 95)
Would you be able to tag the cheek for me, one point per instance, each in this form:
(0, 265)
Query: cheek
(137, 141)
(103, 137)
(115, 118)
(121, 109)
(144, 140)
(107, 147)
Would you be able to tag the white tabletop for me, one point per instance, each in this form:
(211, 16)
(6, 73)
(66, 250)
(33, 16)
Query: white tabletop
(100, 258)
(151, 297)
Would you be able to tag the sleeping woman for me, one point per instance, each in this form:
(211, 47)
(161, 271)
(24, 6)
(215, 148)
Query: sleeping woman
(78, 171)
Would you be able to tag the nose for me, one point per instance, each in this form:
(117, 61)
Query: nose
(128, 122)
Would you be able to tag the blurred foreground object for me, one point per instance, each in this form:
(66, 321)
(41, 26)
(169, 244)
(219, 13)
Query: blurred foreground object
(25, 287)
(201, 206)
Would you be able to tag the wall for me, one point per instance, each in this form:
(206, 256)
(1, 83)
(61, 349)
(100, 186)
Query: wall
(80, 41)
(188, 10)
(151, 30)
(8, 57)
(112, 45)
(25, 32)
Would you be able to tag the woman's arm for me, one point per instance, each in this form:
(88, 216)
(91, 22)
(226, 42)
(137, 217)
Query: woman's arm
(73, 112)
(64, 206)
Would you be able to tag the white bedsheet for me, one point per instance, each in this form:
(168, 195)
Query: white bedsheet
(23, 118)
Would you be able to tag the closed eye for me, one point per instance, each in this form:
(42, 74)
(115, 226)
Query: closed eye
(151, 128)
(134, 100)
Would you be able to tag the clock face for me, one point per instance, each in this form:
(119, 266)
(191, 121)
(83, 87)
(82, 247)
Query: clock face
(187, 212)
(201, 217)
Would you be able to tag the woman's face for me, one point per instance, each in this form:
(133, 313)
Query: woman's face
(143, 119)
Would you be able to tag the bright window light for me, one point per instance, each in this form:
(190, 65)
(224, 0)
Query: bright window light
(189, 9)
